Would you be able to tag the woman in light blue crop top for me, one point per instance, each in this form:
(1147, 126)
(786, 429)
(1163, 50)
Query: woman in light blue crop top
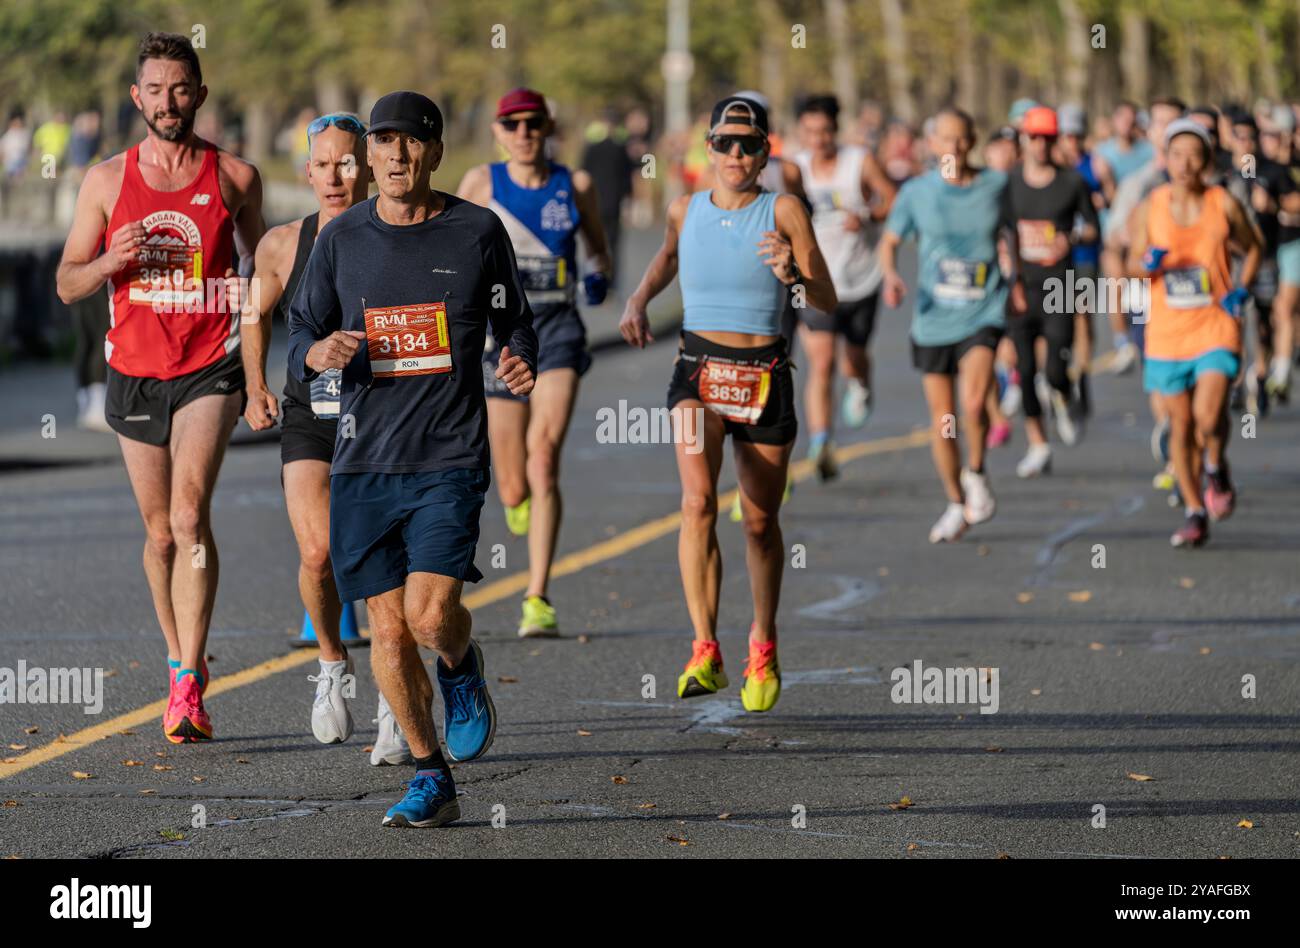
(736, 249)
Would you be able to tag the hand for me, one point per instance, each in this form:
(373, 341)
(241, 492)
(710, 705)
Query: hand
(635, 325)
(1235, 300)
(1019, 300)
(596, 286)
(514, 371)
(124, 246)
(1152, 258)
(263, 408)
(1060, 247)
(779, 255)
(852, 223)
(895, 290)
(335, 351)
(236, 289)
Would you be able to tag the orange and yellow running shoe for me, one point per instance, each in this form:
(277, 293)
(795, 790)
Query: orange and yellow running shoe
(762, 684)
(704, 674)
(185, 719)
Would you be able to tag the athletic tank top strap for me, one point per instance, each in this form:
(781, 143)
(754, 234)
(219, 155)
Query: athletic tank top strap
(306, 240)
(725, 285)
(542, 224)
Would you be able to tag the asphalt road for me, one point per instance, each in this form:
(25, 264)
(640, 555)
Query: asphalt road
(1105, 674)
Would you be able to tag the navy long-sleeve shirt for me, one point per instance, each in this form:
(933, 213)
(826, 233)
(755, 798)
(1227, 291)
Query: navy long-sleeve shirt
(412, 397)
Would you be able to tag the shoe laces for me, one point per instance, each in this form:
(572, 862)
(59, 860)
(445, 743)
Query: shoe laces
(423, 788)
(324, 685)
(462, 701)
(702, 652)
(761, 657)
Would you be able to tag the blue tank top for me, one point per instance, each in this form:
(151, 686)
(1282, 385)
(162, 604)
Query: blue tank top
(1089, 254)
(726, 287)
(543, 226)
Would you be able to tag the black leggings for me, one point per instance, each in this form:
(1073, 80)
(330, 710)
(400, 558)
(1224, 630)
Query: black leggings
(1058, 330)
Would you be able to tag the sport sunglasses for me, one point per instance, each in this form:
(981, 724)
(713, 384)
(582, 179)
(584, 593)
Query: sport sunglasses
(346, 122)
(534, 124)
(749, 144)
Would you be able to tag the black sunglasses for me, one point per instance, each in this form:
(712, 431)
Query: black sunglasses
(534, 124)
(749, 144)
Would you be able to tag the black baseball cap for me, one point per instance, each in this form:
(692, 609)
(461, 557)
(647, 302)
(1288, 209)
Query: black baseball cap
(407, 112)
(738, 110)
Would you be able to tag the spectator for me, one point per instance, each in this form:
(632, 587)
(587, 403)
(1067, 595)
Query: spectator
(606, 160)
(15, 145)
(52, 138)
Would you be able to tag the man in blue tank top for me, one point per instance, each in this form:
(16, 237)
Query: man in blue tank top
(738, 250)
(544, 206)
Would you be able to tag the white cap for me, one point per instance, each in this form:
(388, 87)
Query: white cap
(1186, 126)
(756, 96)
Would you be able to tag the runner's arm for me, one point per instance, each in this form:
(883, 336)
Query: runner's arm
(793, 223)
(249, 225)
(875, 183)
(82, 271)
(793, 180)
(255, 320)
(589, 223)
(512, 323)
(476, 186)
(1137, 243)
(1245, 234)
(635, 325)
(314, 312)
(1085, 209)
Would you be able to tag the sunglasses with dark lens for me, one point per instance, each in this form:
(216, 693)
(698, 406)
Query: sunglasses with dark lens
(534, 124)
(345, 122)
(749, 144)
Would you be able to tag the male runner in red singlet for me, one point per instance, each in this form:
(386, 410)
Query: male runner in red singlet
(171, 213)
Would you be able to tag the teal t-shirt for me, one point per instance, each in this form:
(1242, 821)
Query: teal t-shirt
(960, 287)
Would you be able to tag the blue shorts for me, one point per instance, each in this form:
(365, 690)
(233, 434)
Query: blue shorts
(1288, 263)
(384, 526)
(1174, 376)
(561, 344)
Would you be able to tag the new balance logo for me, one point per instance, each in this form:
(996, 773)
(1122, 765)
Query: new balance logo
(201, 199)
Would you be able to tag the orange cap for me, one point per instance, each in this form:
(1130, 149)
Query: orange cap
(1040, 120)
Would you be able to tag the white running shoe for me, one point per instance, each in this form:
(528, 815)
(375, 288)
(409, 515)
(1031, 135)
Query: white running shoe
(90, 407)
(856, 405)
(1043, 391)
(1278, 383)
(1066, 429)
(1037, 460)
(390, 746)
(980, 505)
(1012, 399)
(950, 526)
(331, 718)
(1125, 357)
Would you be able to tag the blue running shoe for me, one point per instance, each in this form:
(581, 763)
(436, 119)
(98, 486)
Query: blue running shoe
(430, 801)
(471, 718)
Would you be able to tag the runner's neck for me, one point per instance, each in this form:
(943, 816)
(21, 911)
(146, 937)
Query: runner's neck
(418, 208)
(170, 158)
(725, 199)
(532, 176)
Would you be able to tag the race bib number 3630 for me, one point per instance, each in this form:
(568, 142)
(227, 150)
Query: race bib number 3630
(408, 340)
(736, 392)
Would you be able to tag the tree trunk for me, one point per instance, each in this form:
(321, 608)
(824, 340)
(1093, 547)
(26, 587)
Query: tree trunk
(898, 60)
(1078, 47)
(1135, 35)
(1268, 78)
(258, 132)
(772, 53)
(842, 75)
(968, 83)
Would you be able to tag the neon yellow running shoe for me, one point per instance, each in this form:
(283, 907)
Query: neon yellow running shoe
(517, 517)
(762, 677)
(738, 515)
(704, 674)
(1163, 481)
(539, 619)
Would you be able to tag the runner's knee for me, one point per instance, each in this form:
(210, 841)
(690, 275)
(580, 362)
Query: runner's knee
(699, 507)
(188, 521)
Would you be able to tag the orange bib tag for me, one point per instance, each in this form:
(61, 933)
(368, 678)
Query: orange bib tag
(1036, 238)
(408, 340)
(736, 392)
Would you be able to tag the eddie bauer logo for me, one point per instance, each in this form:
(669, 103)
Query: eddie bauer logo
(103, 901)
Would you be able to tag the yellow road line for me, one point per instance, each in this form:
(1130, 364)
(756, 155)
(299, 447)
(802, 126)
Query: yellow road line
(493, 592)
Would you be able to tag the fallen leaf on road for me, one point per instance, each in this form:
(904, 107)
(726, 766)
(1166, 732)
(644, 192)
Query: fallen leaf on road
(1024, 597)
(982, 550)
(912, 847)
(1081, 595)
(148, 791)
(12, 803)
(171, 835)
(199, 779)
(613, 597)
(132, 664)
(883, 571)
(618, 778)
(1246, 824)
(902, 804)
(61, 739)
(1003, 856)
(993, 749)
(18, 747)
(364, 750)
(678, 840)
(507, 679)
(31, 730)
(584, 639)
(81, 775)
(133, 763)
(160, 753)
(1096, 646)
(1205, 650)
(1035, 691)
(127, 733)
(582, 733)
(110, 673)
(724, 816)
(9, 760)
(161, 767)
(1187, 582)
(1141, 778)
(646, 806)
(240, 760)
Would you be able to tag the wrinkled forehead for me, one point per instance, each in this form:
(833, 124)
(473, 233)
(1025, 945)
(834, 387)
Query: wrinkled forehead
(333, 142)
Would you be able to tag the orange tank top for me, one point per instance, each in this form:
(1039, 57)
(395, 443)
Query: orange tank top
(1186, 319)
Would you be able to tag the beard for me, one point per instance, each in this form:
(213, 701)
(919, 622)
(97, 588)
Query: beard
(181, 130)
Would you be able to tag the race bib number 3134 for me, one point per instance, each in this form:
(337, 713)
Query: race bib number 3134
(408, 340)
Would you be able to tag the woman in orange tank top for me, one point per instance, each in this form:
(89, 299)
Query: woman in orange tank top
(1182, 239)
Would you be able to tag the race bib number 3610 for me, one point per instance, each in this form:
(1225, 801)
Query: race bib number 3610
(408, 340)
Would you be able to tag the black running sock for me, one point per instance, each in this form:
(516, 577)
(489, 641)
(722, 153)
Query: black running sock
(464, 668)
(434, 761)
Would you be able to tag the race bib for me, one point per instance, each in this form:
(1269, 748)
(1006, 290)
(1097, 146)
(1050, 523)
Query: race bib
(545, 278)
(1036, 239)
(326, 389)
(404, 341)
(737, 392)
(168, 273)
(961, 281)
(1187, 288)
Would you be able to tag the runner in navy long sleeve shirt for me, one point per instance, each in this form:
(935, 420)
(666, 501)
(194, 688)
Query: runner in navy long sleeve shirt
(398, 293)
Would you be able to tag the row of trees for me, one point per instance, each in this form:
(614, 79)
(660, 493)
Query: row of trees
(264, 58)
